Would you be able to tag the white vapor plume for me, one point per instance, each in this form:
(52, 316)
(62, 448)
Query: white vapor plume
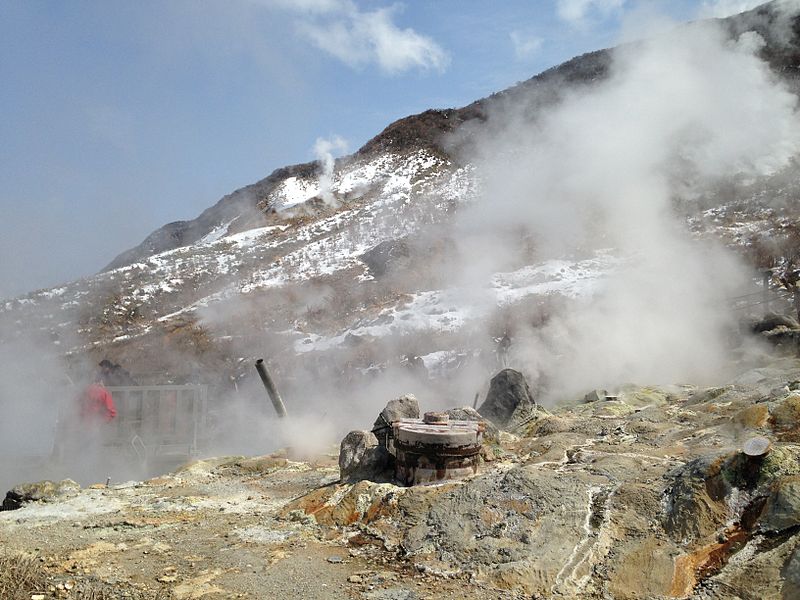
(323, 150)
(602, 169)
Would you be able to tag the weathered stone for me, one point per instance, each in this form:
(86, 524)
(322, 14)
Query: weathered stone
(696, 499)
(783, 507)
(791, 574)
(509, 393)
(41, 491)
(491, 433)
(754, 417)
(386, 256)
(360, 456)
(786, 415)
(782, 461)
(404, 407)
(392, 594)
(595, 396)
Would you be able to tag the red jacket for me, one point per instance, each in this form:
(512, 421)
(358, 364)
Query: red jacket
(97, 403)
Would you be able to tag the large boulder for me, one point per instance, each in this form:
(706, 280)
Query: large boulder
(509, 397)
(466, 413)
(361, 457)
(783, 507)
(40, 491)
(386, 256)
(404, 407)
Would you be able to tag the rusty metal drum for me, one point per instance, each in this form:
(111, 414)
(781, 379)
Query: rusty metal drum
(435, 449)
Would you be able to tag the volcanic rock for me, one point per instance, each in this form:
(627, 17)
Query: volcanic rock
(404, 407)
(385, 256)
(41, 491)
(509, 395)
(360, 456)
(783, 507)
(466, 413)
(595, 396)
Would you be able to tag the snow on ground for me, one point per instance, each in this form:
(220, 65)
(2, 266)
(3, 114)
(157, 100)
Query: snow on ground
(250, 236)
(570, 279)
(334, 243)
(385, 198)
(218, 232)
(294, 190)
(449, 310)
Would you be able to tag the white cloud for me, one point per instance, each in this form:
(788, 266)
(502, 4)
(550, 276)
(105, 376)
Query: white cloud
(525, 46)
(577, 11)
(360, 38)
(726, 8)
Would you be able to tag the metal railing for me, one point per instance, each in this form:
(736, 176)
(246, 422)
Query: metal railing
(158, 420)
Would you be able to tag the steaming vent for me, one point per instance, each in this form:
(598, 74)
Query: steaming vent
(435, 449)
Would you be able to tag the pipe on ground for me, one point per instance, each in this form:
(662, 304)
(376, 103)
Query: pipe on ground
(277, 402)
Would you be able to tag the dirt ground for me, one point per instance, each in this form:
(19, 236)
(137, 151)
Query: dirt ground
(213, 531)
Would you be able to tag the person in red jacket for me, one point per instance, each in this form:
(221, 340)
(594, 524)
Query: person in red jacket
(97, 404)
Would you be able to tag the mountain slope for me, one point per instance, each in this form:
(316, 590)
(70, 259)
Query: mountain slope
(353, 285)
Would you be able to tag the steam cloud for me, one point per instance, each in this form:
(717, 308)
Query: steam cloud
(323, 150)
(601, 170)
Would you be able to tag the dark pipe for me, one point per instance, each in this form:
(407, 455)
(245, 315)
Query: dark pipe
(271, 389)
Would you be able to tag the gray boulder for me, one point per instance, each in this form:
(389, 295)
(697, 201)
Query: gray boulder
(595, 396)
(361, 457)
(783, 507)
(404, 407)
(386, 256)
(509, 393)
(467, 413)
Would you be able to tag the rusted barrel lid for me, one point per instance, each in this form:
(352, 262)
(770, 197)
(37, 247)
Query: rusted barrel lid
(453, 434)
(757, 446)
(435, 418)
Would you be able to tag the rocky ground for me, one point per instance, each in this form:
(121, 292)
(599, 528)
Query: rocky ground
(645, 493)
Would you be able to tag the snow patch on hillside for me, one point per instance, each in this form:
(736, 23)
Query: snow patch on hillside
(449, 310)
(293, 191)
(218, 232)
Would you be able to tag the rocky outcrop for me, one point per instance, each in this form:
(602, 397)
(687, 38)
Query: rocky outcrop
(646, 494)
(509, 400)
(361, 457)
(386, 256)
(41, 491)
(404, 407)
(491, 433)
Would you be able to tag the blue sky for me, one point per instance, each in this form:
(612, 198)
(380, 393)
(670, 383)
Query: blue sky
(121, 116)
